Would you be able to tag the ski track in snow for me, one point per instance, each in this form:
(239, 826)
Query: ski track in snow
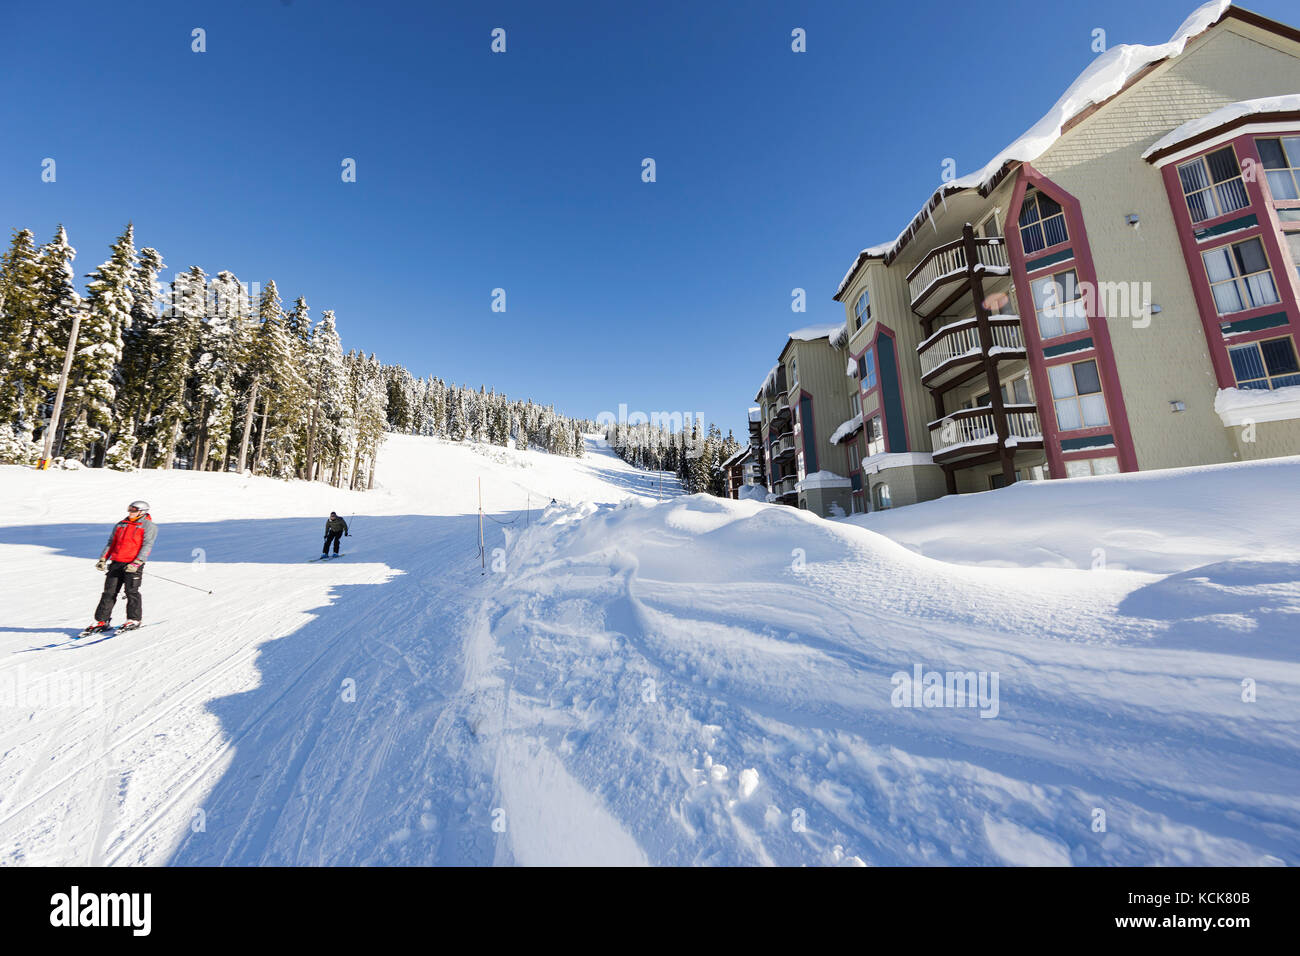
(692, 681)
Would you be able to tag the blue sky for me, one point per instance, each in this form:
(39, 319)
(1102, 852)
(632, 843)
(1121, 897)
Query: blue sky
(523, 170)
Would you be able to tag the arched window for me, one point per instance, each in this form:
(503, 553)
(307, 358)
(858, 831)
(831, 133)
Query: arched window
(1042, 222)
(880, 497)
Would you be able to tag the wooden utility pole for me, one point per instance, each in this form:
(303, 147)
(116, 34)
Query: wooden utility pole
(249, 412)
(482, 552)
(57, 410)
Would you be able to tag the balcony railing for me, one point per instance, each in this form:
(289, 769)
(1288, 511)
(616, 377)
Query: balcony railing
(782, 406)
(784, 445)
(786, 485)
(974, 427)
(949, 260)
(959, 340)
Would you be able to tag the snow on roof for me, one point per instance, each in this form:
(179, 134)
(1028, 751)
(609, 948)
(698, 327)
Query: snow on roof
(769, 383)
(737, 456)
(814, 332)
(846, 429)
(1287, 103)
(755, 414)
(1104, 77)
(824, 479)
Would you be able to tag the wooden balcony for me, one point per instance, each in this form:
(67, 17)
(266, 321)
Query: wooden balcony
(944, 275)
(785, 486)
(952, 350)
(972, 433)
(783, 447)
(781, 408)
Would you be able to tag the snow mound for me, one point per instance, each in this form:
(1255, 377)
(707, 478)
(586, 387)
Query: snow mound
(693, 635)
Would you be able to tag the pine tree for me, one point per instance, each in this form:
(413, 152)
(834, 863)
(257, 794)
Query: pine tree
(136, 396)
(177, 335)
(56, 301)
(19, 272)
(222, 347)
(91, 387)
(327, 384)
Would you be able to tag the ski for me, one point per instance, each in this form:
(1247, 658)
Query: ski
(107, 630)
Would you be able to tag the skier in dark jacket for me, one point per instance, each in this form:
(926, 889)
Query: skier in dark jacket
(123, 561)
(335, 528)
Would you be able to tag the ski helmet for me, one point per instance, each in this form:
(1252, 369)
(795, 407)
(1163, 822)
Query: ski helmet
(142, 506)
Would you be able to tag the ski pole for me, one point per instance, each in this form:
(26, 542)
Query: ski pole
(181, 583)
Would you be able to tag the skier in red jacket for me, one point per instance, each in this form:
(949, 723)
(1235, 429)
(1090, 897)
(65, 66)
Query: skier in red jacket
(123, 558)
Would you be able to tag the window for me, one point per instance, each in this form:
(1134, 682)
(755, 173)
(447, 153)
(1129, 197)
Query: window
(880, 497)
(997, 481)
(808, 456)
(875, 436)
(862, 310)
(1076, 390)
(1020, 388)
(794, 373)
(867, 369)
(854, 458)
(1293, 246)
(1212, 185)
(1058, 302)
(990, 228)
(1042, 222)
(855, 403)
(1281, 165)
(986, 398)
(1270, 364)
(1239, 276)
(1091, 466)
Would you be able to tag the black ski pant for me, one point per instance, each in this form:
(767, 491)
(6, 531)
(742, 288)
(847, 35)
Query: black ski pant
(334, 536)
(116, 577)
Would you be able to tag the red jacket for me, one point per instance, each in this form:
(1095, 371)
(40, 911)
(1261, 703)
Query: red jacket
(131, 540)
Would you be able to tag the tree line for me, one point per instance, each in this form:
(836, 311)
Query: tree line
(695, 456)
(209, 374)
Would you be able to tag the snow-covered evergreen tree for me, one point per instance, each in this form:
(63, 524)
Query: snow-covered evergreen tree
(19, 314)
(177, 334)
(92, 389)
(57, 301)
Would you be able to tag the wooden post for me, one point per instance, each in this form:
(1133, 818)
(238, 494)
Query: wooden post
(482, 552)
(248, 425)
(57, 410)
(1006, 454)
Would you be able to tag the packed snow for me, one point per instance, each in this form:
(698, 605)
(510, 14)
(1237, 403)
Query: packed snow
(1094, 671)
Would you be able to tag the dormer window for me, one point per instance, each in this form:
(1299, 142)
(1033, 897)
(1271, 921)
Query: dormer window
(1042, 222)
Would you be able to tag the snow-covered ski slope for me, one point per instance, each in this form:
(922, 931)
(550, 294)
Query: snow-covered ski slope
(684, 681)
